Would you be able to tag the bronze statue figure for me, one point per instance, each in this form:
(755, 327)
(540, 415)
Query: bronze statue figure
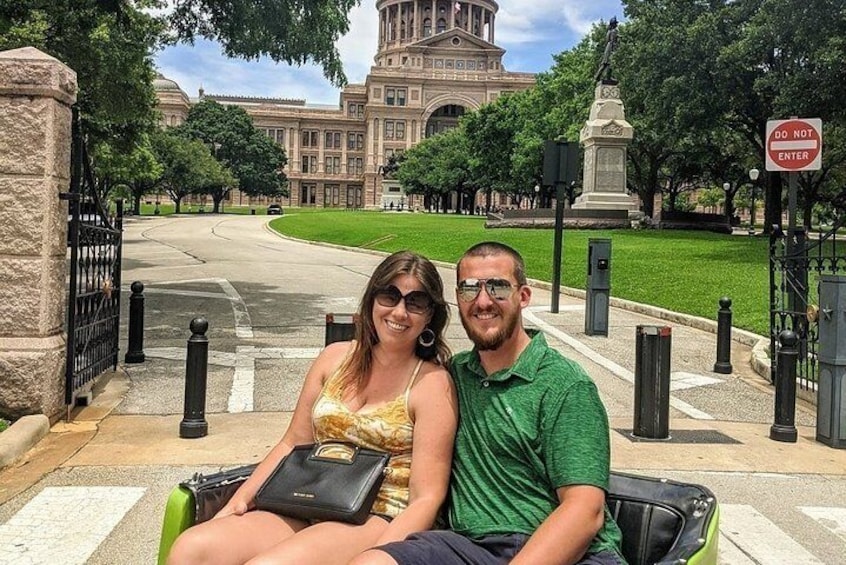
(611, 40)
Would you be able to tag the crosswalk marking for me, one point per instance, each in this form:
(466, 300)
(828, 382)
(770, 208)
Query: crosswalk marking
(758, 539)
(831, 518)
(64, 524)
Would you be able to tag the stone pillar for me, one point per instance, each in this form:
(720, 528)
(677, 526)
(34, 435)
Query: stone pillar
(605, 137)
(36, 93)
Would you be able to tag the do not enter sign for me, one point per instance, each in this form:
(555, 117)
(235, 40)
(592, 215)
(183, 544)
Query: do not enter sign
(794, 145)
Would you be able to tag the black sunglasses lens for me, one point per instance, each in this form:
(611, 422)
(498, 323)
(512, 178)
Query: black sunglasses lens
(418, 301)
(389, 297)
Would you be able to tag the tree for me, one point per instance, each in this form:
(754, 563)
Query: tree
(185, 164)
(108, 43)
(253, 158)
(285, 31)
(139, 170)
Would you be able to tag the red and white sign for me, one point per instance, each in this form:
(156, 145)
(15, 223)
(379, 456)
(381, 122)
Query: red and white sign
(794, 145)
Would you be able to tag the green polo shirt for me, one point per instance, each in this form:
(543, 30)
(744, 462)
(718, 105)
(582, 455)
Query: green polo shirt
(523, 432)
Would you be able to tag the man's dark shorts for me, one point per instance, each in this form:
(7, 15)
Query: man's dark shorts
(445, 547)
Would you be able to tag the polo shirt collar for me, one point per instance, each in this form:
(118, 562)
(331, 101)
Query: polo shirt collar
(526, 366)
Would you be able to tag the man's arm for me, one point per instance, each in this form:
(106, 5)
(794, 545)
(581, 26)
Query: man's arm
(564, 537)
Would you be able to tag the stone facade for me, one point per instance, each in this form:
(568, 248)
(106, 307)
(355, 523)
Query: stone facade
(36, 93)
(435, 60)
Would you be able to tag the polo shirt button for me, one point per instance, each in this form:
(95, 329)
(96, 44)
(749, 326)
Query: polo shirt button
(486, 384)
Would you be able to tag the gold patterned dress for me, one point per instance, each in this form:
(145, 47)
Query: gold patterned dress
(387, 427)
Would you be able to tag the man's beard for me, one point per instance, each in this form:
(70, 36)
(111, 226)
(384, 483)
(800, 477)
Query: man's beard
(486, 342)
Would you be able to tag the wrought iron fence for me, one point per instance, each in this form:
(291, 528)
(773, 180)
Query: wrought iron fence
(94, 246)
(796, 262)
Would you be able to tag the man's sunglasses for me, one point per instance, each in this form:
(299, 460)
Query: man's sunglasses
(469, 289)
(416, 301)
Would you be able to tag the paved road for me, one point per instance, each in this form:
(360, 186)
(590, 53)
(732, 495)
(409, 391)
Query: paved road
(93, 491)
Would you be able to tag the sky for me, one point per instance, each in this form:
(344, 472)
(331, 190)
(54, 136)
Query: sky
(530, 31)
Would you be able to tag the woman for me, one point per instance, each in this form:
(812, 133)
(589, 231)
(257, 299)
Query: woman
(385, 390)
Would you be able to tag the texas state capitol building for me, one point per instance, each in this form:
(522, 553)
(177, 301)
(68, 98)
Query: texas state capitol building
(436, 60)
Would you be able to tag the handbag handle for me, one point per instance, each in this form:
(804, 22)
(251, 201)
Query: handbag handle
(335, 452)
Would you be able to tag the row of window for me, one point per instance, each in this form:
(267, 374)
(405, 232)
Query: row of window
(332, 165)
(275, 134)
(332, 195)
(332, 140)
(462, 65)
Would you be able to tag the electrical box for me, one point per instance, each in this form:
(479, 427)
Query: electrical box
(831, 358)
(598, 287)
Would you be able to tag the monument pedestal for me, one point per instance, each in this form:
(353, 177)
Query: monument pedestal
(605, 138)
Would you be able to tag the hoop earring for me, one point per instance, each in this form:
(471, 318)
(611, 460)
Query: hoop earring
(426, 338)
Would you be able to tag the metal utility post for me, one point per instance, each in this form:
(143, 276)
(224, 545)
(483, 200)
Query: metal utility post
(135, 351)
(598, 287)
(652, 382)
(194, 423)
(560, 167)
(784, 428)
(831, 385)
(723, 364)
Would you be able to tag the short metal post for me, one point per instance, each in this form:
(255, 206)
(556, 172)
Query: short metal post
(723, 364)
(194, 423)
(785, 394)
(652, 382)
(135, 351)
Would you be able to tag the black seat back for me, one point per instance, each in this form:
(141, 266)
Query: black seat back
(340, 327)
(662, 521)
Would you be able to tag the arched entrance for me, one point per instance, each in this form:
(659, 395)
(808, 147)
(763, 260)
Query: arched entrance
(443, 119)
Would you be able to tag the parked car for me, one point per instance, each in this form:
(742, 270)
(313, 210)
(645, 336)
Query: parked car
(274, 210)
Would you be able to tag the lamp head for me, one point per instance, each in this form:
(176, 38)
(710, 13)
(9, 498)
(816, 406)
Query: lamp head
(726, 186)
(753, 174)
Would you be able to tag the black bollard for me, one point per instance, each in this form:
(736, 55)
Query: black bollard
(135, 351)
(194, 423)
(723, 364)
(785, 394)
(652, 382)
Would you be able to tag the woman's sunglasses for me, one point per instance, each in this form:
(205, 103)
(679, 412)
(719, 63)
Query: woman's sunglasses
(416, 301)
(469, 289)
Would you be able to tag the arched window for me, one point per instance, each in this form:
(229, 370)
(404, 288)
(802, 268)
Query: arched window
(441, 25)
(427, 27)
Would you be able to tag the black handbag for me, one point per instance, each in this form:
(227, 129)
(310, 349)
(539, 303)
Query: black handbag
(212, 492)
(327, 481)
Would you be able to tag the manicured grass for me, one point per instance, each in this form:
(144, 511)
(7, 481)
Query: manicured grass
(683, 271)
(3, 424)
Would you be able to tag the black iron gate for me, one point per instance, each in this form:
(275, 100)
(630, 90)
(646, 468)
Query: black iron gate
(94, 247)
(796, 262)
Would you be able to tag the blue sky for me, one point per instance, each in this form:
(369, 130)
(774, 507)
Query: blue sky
(531, 31)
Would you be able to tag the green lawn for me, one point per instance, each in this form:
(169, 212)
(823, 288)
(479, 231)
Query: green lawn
(682, 271)
(3, 424)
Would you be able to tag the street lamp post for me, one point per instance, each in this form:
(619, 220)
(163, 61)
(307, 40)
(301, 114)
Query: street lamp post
(726, 188)
(753, 176)
(537, 196)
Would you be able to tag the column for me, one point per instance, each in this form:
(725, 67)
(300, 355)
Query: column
(36, 94)
(451, 8)
(434, 16)
(493, 20)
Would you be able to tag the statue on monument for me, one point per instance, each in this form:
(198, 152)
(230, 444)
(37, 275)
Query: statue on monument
(611, 41)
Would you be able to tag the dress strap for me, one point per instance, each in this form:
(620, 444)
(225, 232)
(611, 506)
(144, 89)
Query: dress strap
(414, 376)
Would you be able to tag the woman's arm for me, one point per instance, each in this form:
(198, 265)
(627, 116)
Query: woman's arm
(299, 431)
(434, 409)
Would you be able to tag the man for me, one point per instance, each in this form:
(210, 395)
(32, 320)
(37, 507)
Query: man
(531, 460)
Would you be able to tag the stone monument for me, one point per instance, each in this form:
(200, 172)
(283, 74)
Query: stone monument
(605, 136)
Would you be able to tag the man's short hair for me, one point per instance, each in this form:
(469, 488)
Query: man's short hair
(491, 248)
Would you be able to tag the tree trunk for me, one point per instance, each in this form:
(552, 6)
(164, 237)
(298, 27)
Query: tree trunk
(772, 199)
(177, 203)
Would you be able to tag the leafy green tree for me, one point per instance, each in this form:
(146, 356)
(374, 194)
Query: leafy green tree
(293, 32)
(415, 174)
(109, 44)
(139, 170)
(185, 163)
(254, 159)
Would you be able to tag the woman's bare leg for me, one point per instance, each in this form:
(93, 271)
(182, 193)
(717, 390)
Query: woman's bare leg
(325, 543)
(232, 540)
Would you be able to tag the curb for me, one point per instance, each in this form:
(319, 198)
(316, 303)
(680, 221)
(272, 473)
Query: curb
(21, 436)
